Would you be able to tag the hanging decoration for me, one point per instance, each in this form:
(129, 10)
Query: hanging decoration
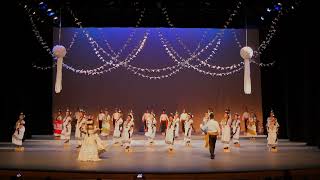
(246, 53)
(59, 52)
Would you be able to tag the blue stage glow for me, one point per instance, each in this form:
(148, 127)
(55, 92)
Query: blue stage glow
(277, 7)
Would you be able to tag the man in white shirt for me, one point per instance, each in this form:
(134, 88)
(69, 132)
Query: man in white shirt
(163, 121)
(145, 117)
(183, 117)
(244, 121)
(212, 130)
(101, 117)
(116, 116)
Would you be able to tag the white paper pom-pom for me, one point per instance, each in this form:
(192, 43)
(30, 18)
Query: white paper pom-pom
(59, 51)
(246, 52)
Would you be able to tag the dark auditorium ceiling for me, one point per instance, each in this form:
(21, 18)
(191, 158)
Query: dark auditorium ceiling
(182, 13)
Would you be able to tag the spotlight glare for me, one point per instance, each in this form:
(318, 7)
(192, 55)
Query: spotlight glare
(268, 9)
(49, 10)
(262, 18)
(41, 3)
(292, 7)
(55, 18)
(34, 13)
(51, 14)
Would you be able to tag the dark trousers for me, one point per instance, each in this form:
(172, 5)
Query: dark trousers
(182, 125)
(212, 143)
(163, 126)
(100, 124)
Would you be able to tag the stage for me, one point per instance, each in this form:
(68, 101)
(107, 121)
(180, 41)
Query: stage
(44, 154)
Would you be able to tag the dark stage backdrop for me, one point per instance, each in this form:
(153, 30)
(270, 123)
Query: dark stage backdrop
(188, 89)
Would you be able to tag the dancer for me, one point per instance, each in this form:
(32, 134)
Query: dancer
(210, 110)
(205, 118)
(251, 127)
(131, 113)
(66, 128)
(272, 128)
(176, 121)
(183, 118)
(244, 121)
(100, 118)
(163, 121)
(271, 116)
(211, 130)
(118, 127)
(57, 125)
(18, 134)
(188, 129)
(152, 128)
(80, 127)
(169, 139)
(92, 145)
(145, 117)
(235, 126)
(105, 128)
(115, 116)
(226, 131)
(127, 133)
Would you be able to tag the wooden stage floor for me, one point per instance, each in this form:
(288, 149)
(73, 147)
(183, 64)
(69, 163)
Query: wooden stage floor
(42, 153)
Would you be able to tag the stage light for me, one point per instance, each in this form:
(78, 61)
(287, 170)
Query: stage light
(277, 7)
(292, 7)
(268, 9)
(51, 14)
(55, 18)
(262, 18)
(42, 6)
(34, 13)
(49, 10)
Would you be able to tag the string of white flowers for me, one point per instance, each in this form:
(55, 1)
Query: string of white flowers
(204, 62)
(42, 41)
(158, 70)
(101, 70)
(174, 55)
(97, 49)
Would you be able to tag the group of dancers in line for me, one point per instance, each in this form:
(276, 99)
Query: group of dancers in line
(89, 129)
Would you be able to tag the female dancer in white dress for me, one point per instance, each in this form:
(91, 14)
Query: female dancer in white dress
(235, 126)
(176, 121)
(105, 129)
(152, 128)
(226, 131)
(17, 137)
(118, 126)
(66, 127)
(188, 125)
(170, 132)
(251, 127)
(272, 128)
(92, 145)
(80, 127)
(127, 133)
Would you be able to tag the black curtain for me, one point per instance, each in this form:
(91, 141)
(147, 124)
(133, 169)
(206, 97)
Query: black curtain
(291, 86)
(25, 89)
